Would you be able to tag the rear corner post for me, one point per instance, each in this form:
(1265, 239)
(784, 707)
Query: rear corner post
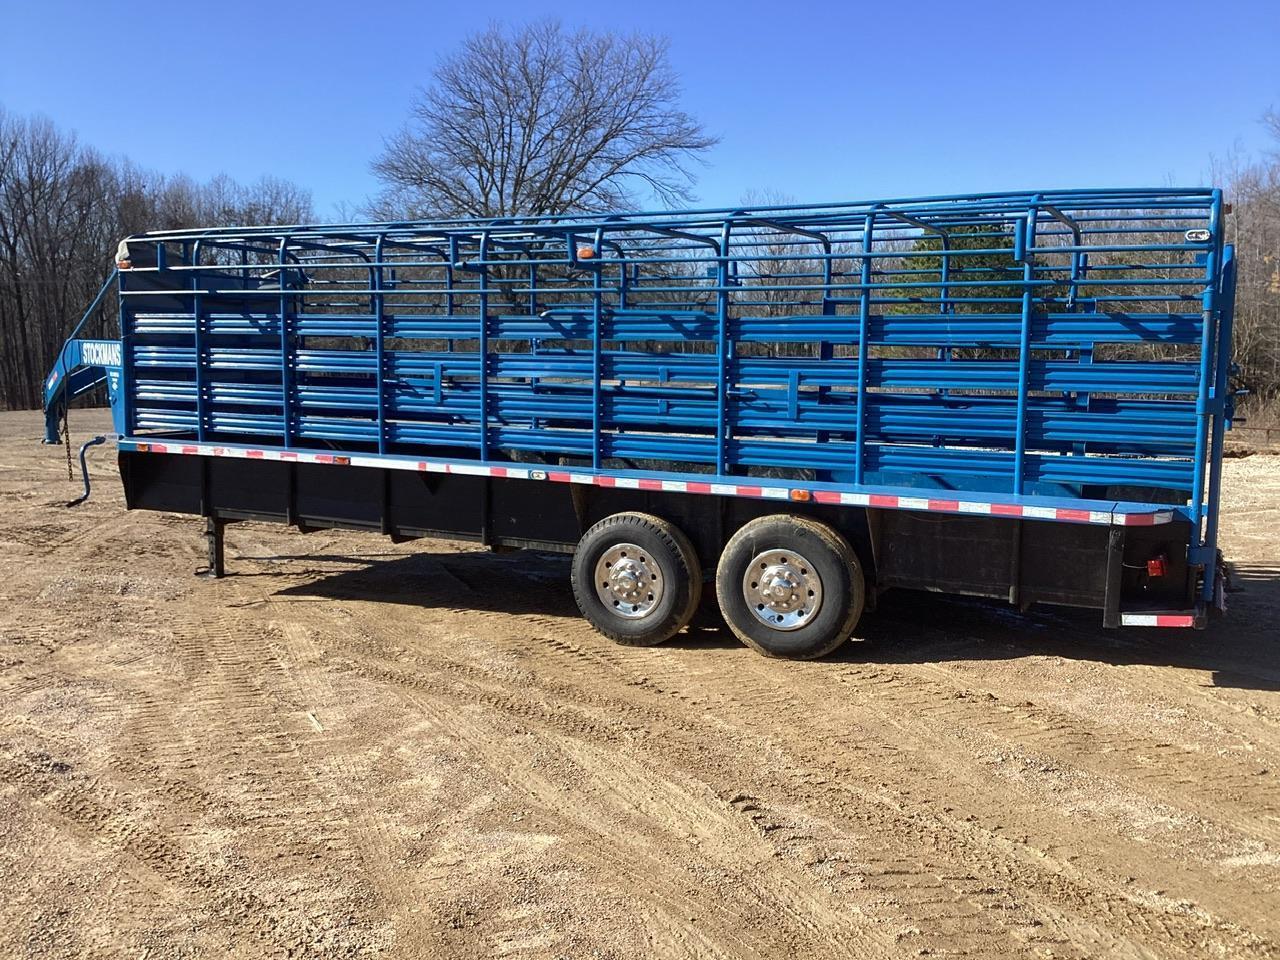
(1114, 575)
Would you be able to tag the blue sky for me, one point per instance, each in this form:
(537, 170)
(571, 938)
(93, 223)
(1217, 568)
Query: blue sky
(812, 100)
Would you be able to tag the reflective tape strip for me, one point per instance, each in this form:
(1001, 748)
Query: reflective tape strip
(1145, 519)
(1157, 620)
(988, 509)
(718, 488)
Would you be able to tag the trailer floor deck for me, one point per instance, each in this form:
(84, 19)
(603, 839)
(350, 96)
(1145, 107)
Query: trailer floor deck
(354, 748)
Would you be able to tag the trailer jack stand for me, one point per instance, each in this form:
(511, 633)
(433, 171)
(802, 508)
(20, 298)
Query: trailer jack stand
(216, 543)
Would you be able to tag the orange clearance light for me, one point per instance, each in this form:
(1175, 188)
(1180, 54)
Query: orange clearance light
(124, 264)
(800, 495)
(586, 253)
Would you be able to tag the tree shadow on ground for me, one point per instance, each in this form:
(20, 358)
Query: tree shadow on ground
(1239, 649)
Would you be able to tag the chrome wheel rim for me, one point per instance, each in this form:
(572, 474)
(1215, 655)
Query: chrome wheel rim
(628, 581)
(781, 589)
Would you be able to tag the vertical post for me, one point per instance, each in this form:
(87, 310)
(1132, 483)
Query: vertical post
(1079, 267)
(215, 546)
(126, 355)
(826, 348)
(448, 277)
(535, 344)
(286, 363)
(597, 322)
(724, 348)
(483, 297)
(376, 303)
(450, 264)
(1024, 243)
(622, 279)
(1114, 574)
(1209, 310)
(944, 293)
(944, 273)
(864, 322)
(197, 325)
(1084, 358)
(1226, 315)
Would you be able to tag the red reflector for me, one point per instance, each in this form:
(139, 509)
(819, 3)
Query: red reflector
(342, 461)
(1156, 567)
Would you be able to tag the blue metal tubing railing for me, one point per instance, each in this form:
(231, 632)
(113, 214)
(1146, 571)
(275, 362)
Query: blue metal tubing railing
(1010, 341)
(1126, 200)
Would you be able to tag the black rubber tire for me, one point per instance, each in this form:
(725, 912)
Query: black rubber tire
(675, 556)
(833, 560)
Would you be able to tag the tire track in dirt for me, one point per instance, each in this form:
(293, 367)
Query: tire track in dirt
(486, 776)
(897, 695)
(828, 737)
(233, 712)
(623, 855)
(449, 692)
(961, 910)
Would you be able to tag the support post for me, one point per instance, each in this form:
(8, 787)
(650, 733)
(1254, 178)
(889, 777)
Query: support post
(1024, 246)
(215, 542)
(1115, 572)
(864, 322)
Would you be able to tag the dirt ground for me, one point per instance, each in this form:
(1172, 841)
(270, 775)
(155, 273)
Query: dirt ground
(350, 748)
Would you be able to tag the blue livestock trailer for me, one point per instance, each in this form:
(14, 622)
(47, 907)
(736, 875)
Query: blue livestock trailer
(1017, 395)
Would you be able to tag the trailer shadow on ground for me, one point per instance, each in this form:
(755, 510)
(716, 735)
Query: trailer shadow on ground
(1240, 649)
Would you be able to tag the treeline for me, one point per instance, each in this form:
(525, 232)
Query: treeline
(63, 209)
(1253, 188)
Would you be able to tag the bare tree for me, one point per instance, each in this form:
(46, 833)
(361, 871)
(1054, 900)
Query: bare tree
(540, 121)
(63, 208)
(1253, 186)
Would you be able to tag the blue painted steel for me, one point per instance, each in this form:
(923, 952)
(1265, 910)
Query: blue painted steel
(597, 327)
(200, 370)
(724, 350)
(74, 374)
(864, 325)
(82, 366)
(379, 320)
(1024, 244)
(284, 396)
(482, 350)
(1207, 408)
(1221, 421)
(1053, 343)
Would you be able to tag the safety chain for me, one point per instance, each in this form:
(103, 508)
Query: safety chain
(66, 434)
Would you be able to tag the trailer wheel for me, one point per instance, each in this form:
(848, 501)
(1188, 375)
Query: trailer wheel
(636, 578)
(790, 587)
